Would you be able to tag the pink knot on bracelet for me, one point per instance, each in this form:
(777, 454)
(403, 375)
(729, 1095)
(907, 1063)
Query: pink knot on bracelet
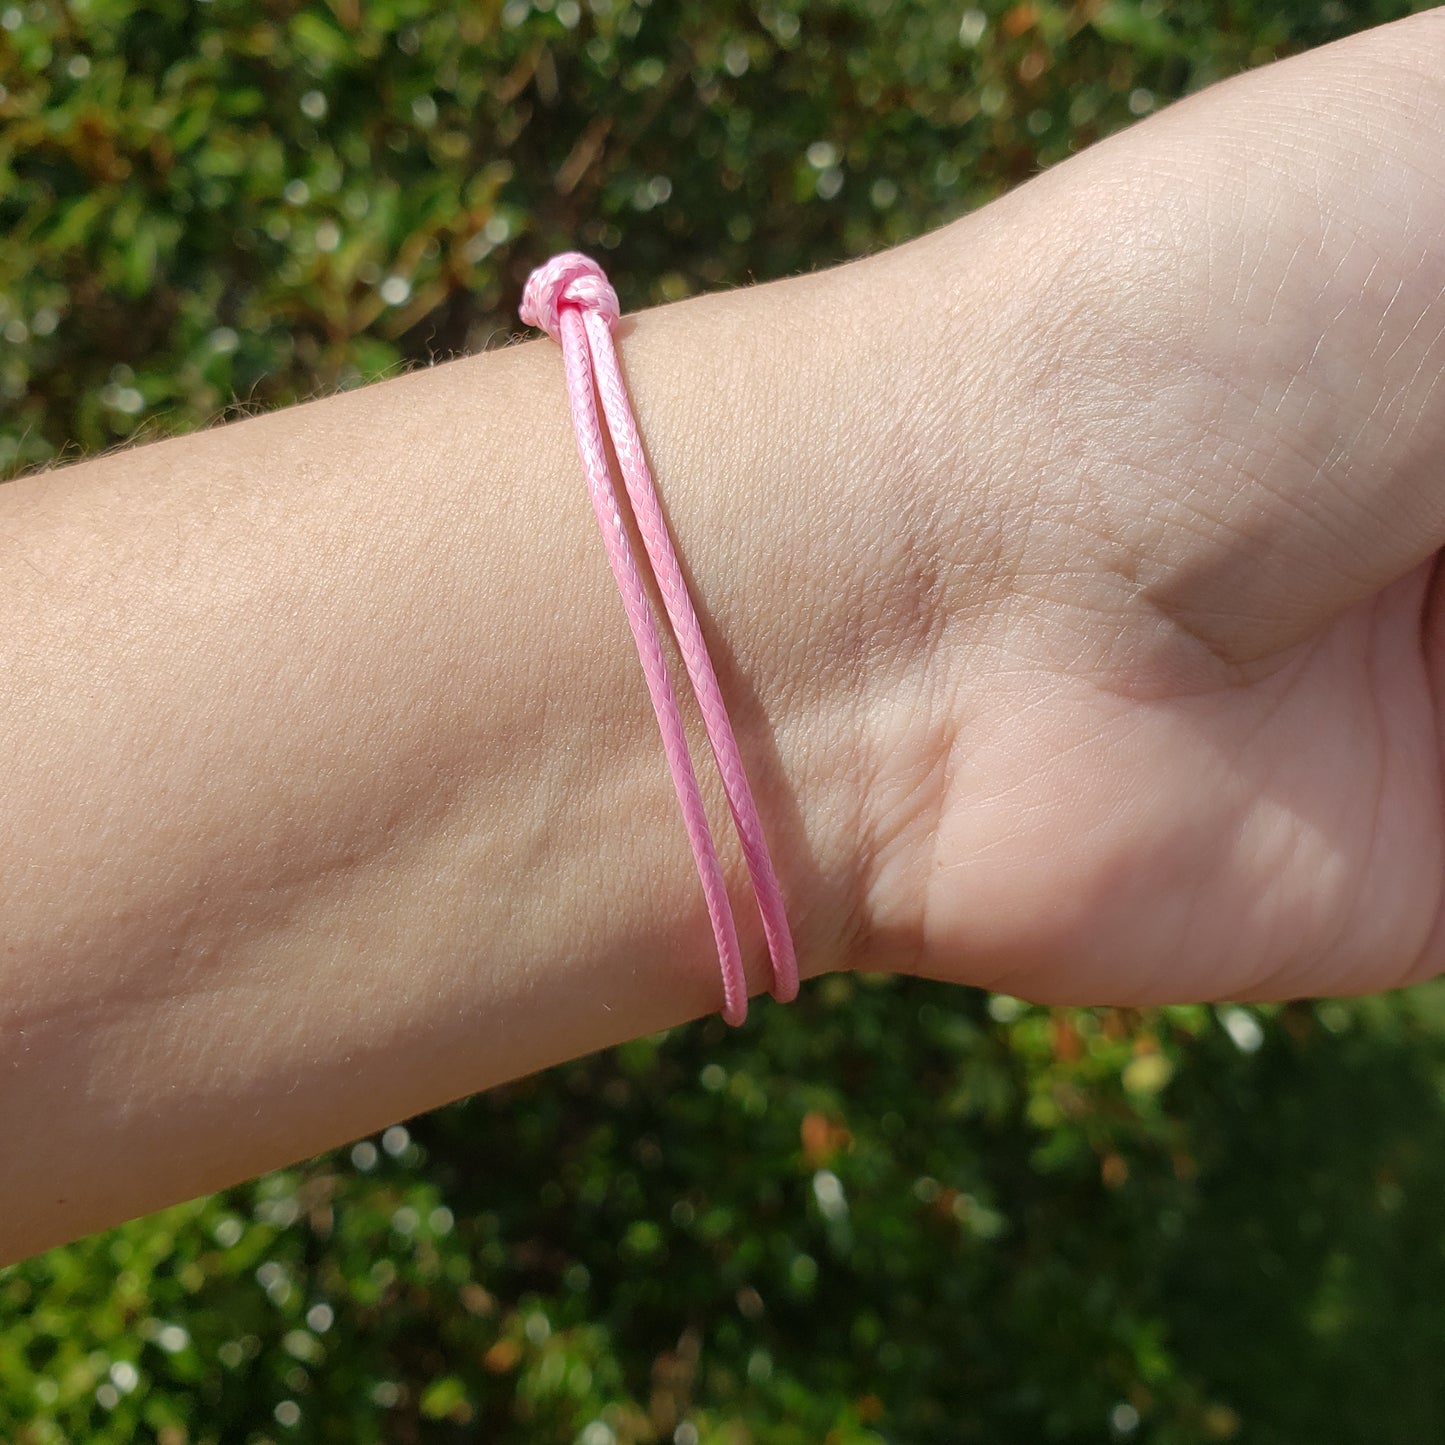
(571, 279)
(571, 299)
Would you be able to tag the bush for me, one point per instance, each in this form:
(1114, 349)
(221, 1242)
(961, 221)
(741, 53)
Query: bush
(895, 1212)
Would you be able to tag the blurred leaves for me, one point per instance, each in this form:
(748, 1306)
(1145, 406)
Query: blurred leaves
(893, 1212)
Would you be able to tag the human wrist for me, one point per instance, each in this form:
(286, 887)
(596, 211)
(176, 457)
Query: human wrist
(785, 425)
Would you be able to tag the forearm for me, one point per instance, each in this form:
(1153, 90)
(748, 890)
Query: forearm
(333, 789)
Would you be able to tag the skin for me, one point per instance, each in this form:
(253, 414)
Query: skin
(1070, 573)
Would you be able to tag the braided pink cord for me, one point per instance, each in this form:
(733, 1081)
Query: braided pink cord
(571, 299)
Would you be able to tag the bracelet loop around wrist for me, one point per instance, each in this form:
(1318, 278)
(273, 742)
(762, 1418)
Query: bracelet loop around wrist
(571, 299)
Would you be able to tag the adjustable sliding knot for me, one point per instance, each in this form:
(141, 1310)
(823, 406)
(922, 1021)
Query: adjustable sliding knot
(570, 279)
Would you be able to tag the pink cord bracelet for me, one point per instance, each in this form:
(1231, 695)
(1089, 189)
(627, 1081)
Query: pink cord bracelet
(571, 300)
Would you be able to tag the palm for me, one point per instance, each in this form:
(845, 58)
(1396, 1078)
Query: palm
(1269, 838)
(1196, 750)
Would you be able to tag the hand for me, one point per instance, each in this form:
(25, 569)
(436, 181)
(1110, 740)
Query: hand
(1171, 727)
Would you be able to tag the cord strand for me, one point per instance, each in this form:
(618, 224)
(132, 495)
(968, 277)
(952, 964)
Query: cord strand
(571, 300)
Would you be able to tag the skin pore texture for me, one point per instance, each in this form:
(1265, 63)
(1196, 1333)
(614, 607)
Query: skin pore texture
(1070, 574)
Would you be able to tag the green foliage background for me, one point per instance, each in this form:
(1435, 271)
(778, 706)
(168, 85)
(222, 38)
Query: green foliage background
(894, 1212)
